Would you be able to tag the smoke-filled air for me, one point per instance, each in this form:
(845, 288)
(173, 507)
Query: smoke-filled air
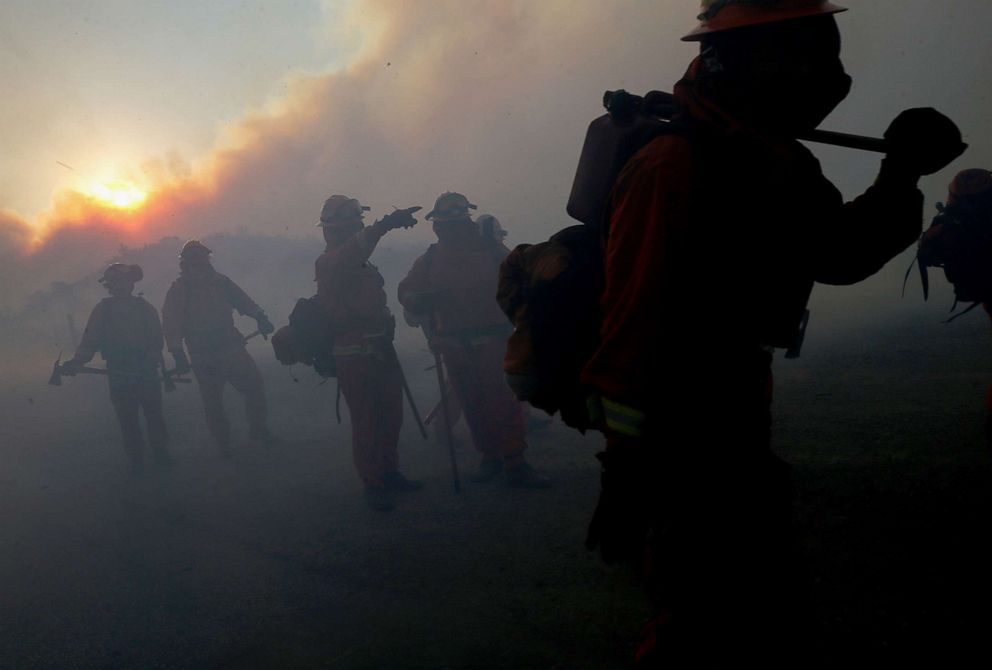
(244, 423)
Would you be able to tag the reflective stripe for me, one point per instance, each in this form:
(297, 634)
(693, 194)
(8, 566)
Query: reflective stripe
(622, 418)
(367, 348)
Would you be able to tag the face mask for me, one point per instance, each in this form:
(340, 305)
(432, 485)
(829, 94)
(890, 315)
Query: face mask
(782, 78)
(120, 288)
(341, 233)
(796, 101)
(445, 229)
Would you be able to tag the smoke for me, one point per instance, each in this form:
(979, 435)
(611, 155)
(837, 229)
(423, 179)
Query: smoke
(489, 99)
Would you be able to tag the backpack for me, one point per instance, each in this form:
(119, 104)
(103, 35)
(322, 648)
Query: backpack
(959, 240)
(308, 339)
(551, 291)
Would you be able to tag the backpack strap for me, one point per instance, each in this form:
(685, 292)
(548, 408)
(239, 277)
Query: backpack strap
(924, 276)
(961, 313)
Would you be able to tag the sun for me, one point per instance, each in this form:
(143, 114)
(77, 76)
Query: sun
(117, 194)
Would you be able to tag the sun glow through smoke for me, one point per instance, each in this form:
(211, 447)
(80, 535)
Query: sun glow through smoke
(117, 194)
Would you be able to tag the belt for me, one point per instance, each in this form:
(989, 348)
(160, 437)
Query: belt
(371, 345)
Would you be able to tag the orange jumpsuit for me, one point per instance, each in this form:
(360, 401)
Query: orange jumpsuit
(126, 332)
(199, 311)
(470, 331)
(351, 290)
(988, 394)
(716, 237)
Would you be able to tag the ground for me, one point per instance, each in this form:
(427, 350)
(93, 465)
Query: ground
(271, 559)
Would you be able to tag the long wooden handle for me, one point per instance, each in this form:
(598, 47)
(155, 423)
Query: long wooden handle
(846, 140)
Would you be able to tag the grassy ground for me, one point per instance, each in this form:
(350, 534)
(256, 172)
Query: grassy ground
(271, 559)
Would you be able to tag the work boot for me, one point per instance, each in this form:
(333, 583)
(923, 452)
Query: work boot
(379, 498)
(525, 477)
(395, 481)
(489, 469)
(263, 435)
(162, 457)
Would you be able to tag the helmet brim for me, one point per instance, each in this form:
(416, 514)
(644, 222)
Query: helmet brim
(434, 214)
(736, 15)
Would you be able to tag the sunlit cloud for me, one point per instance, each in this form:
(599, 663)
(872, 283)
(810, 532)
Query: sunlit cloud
(117, 194)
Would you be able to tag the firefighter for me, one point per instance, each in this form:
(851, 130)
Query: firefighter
(717, 231)
(198, 311)
(490, 228)
(125, 329)
(351, 290)
(452, 288)
(960, 241)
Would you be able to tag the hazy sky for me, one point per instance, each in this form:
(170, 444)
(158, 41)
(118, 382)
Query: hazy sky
(248, 114)
(103, 85)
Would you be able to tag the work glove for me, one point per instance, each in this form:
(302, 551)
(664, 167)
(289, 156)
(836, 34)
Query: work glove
(621, 523)
(401, 218)
(182, 363)
(71, 367)
(922, 141)
(265, 326)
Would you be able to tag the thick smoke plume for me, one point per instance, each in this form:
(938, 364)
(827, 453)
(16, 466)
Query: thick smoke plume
(490, 99)
(487, 98)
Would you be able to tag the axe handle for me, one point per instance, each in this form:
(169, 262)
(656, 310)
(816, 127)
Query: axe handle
(846, 140)
(667, 105)
(103, 372)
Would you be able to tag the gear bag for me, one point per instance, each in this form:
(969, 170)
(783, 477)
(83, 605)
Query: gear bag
(959, 240)
(308, 339)
(551, 291)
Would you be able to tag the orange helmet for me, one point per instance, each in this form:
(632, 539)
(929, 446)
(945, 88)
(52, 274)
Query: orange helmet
(720, 15)
(121, 272)
(450, 206)
(969, 183)
(339, 209)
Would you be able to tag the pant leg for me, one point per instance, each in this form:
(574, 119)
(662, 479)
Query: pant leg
(389, 408)
(243, 374)
(462, 379)
(126, 404)
(723, 560)
(493, 415)
(988, 416)
(358, 386)
(210, 380)
(150, 398)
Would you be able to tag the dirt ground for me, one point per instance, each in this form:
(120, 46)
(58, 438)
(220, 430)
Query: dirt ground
(271, 559)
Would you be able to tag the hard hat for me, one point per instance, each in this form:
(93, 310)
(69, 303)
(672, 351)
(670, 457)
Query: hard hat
(720, 15)
(490, 227)
(969, 183)
(121, 272)
(339, 209)
(195, 250)
(449, 206)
